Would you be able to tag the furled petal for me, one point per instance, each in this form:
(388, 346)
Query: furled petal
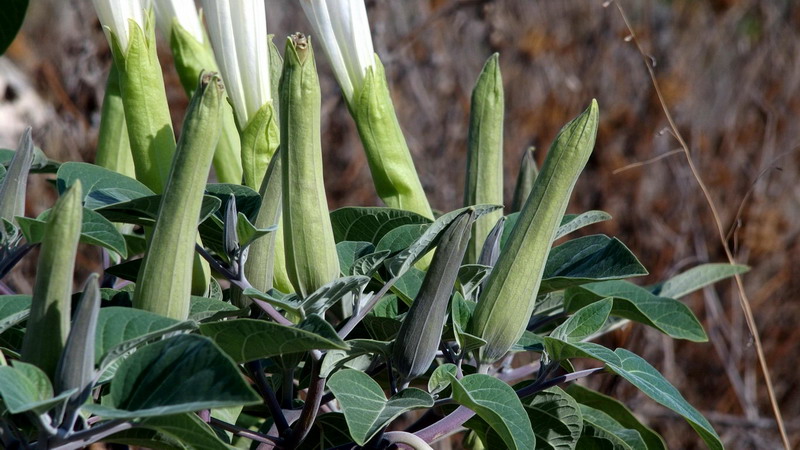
(186, 13)
(114, 16)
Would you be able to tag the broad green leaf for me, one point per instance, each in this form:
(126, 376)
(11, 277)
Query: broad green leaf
(287, 302)
(470, 276)
(460, 314)
(382, 328)
(185, 373)
(599, 425)
(186, 428)
(95, 177)
(25, 387)
(556, 420)
(349, 252)
(144, 210)
(329, 431)
(618, 411)
(202, 308)
(440, 378)
(110, 196)
(697, 278)
(497, 404)
(247, 200)
(365, 406)
(346, 290)
(635, 303)
(367, 265)
(13, 310)
(559, 350)
(407, 286)
(401, 237)
(642, 375)
(249, 339)
(370, 224)
(41, 164)
(12, 14)
(570, 223)
(145, 438)
(402, 262)
(120, 330)
(336, 359)
(587, 259)
(585, 322)
(95, 230)
(128, 270)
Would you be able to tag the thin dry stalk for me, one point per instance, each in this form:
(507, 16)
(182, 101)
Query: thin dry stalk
(743, 299)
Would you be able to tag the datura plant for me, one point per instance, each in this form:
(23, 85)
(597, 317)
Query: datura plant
(316, 329)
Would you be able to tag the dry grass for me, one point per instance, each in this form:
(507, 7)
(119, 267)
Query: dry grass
(729, 70)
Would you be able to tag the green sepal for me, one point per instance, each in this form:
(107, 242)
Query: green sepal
(390, 163)
(113, 143)
(260, 266)
(48, 325)
(165, 278)
(311, 257)
(145, 102)
(528, 171)
(259, 142)
(484, 180)
(509, 295)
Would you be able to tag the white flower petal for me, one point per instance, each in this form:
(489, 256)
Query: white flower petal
(184, 10)
(114, 16)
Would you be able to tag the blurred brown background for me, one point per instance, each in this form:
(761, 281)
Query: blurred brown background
(729, 70)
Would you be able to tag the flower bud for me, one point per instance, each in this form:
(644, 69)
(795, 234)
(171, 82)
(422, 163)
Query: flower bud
(528, 171)
(508, 298)
(311, 257)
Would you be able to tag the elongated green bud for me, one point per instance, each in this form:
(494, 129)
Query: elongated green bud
(260, 265)
(311, 258)
(418, 339)
(528, 171)
(192, 58)
(389, 159)
(165, 277)
(506, 303)
(485, 154)
(14, 184)
(113, 145)
(145, 102)
(48, 325)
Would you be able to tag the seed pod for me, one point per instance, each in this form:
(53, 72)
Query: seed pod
(311, 258)
(164, 285)
(509, 296)
(48, 325)
(484, 184)
(525, 179)
(418, 339)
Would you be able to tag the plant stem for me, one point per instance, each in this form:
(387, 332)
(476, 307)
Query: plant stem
(362, 312)
(243, 432)
(408, 439)
(269, 396)
(446, 425)
(84, 438)
(315, 390)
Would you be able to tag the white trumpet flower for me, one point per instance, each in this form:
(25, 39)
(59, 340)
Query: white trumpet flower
(115, 14)
(238, 33)
(342, 28)
(183, 10)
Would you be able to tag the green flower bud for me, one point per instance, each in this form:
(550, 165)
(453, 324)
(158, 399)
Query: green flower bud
(311, 258)
(508, 298)
(48, 324)
(113, 144)
(418, 339)
(528, 171)
(484, 184)
(165, 277)
(260, 266)
(14, 184)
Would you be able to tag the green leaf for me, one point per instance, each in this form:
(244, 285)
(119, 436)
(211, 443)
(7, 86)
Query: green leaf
(585, 322)
(347, 290)
(370, 224)
(288, 302)
(460, 313)
(12, 14)
(41, 164)
(247, 200)
(440, 378)
(202, 308)
(182, 374)
(569, 223)
(365, 406)
(349, 252)
(188, 429)
(95, 177)
(328, 431)
(559, 350)
(642, 375)
(599, 425)
(618, 411)
(336, 359)
(407, 286)
(635, 303)
(95, 230)
(249, 339)
(13, 310)
(144, 210)
(556, 420)
(367, 265)
(120, 330)
(401, 237)
(697, 278)
(587, 259)
(470, 276)
(25, 387)
(497, 404)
